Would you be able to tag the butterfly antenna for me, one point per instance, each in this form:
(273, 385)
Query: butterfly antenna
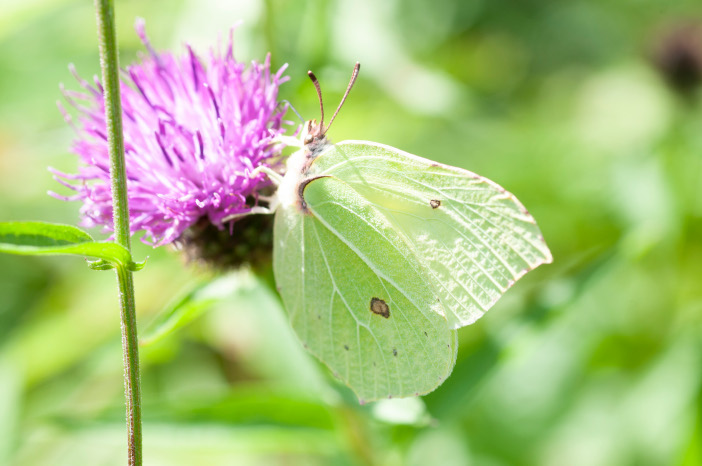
(321, 103)
(346, 94)
(290, 106)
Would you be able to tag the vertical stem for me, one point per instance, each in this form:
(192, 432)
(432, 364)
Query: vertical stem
(109, 64)
(130, 353)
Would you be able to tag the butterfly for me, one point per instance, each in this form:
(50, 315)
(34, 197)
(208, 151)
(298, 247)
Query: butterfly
(380, 255)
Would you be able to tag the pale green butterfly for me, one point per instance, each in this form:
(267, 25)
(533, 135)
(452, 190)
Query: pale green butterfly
(379, 255)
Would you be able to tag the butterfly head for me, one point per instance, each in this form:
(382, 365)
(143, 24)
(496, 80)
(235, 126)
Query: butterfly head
(314, 133)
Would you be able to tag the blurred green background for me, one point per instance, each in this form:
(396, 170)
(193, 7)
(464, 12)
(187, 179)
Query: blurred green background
(593, 360)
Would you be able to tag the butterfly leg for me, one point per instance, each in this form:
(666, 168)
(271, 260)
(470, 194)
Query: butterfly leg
(290, 141)
(254, 210)
(271, 200)
(273, 203)
(276, 178)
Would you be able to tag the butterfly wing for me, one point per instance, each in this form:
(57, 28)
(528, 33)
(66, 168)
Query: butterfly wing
(357, 295)
(474, 238)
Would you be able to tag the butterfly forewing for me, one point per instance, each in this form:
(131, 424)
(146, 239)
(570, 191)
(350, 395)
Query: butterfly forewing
(357, 295)
(473, 238)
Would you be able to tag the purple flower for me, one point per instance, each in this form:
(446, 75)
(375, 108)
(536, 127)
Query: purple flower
(193, 133)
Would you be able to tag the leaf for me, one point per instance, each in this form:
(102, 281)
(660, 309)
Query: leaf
(25, 235)
(102, 264)
(190, 305)
(41, 238)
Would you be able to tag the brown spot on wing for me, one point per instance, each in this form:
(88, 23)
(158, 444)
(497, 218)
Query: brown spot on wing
(435, 203)
(380, 307)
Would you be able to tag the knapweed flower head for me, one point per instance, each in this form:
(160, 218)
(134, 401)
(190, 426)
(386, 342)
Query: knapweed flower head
(194, 131)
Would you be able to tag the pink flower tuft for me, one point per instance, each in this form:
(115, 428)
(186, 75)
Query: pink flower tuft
(194, 130)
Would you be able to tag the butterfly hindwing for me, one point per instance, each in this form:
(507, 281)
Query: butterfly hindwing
(357, 295)
(474, 238)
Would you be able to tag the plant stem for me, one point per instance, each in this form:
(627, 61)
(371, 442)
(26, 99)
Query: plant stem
(109, 63)
(130, 352)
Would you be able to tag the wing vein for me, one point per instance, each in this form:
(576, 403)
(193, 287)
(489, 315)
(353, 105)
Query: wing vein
(346, 304)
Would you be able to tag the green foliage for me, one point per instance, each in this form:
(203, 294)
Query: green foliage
(41, 238)
(189, 305)
(36, 237)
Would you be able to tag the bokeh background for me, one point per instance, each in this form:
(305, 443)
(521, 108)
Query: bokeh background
(593, 360)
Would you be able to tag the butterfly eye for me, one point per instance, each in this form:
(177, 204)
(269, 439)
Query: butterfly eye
(312, 131)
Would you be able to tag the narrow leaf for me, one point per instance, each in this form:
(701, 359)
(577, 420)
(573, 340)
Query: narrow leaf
(39, 235)
(37, 238)
(188, 306)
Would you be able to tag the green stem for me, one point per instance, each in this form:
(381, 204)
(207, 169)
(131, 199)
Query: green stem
(130, 352)
(109, 64)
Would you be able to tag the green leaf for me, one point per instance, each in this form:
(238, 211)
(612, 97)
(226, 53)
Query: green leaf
(190, 305)
(137, 266)
(27, 235)
(102, 264)
(37, 238)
